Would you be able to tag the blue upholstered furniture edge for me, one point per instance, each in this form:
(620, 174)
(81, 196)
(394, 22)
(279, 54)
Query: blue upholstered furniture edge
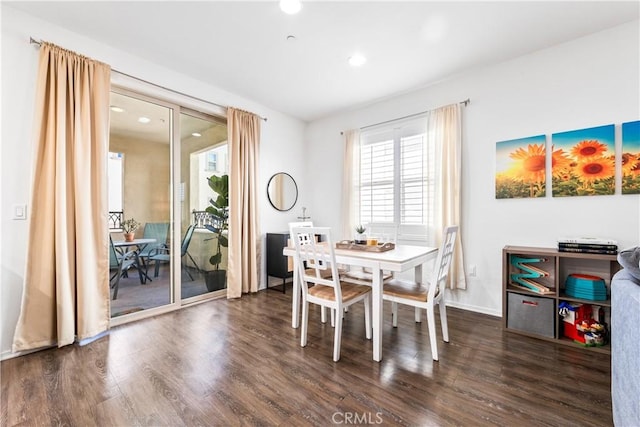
(625, 349)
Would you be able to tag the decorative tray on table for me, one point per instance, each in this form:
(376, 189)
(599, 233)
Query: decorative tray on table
(350, 244)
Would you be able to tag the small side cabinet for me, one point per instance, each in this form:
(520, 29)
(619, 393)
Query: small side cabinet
(278, 265)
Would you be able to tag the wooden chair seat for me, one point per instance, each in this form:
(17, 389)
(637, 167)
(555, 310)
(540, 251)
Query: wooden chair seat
(349, 291)
(407, 289)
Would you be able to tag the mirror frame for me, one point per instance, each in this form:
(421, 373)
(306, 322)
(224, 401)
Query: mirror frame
(295, 184)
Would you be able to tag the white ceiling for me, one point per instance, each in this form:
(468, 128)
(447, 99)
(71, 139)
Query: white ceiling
(242, 46)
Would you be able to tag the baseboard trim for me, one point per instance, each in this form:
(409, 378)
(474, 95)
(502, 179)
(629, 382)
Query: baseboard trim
(474, 308)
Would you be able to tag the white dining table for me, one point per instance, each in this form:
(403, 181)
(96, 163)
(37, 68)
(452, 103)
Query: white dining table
(402, 258)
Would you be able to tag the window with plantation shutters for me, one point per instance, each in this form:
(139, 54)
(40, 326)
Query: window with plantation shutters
(397, 178)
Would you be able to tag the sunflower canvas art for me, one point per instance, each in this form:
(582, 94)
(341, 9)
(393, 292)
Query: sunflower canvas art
(521, 168)
(631, 158)
(583, 162)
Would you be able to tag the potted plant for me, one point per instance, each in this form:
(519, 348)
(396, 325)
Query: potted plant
(218, 209)
(129, 227)
(361, 238)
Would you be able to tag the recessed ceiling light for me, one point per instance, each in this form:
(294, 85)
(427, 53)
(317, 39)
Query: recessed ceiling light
(117, 109)
(290, 7)
(291, 38)
(144, 119)
(357, 60)
(196, 134)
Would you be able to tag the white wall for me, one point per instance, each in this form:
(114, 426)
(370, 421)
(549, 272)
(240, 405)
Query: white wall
(281, 144)
(584, 83)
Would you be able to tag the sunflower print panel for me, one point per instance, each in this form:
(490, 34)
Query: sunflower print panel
(630, 163)
(583, 162)
(521, 168)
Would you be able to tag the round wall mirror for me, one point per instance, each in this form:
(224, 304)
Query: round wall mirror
(282, 191)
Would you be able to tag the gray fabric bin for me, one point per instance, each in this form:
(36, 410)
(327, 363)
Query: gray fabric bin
(531, 314)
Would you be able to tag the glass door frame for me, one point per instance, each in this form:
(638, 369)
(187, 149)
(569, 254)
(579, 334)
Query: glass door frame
(211, 117)
(177, 103)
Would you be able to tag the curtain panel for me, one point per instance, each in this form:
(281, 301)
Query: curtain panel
(444, 127)
(243, 131)
(351, 183)
(66, 290)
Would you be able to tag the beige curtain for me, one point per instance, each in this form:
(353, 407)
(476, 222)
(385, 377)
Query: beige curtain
(66, 290)
(351, 183)
(243, 130)
(444, 128)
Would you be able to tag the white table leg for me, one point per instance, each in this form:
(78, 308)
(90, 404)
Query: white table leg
(376, 302)
(295, 298)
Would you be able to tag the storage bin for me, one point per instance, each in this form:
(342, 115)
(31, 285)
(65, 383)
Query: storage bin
(531, 314)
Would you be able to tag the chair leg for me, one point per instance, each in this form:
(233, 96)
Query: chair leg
(194, 262)
(443, 320)
(323, 314)
(157, 268)
(140, 273)
(337, 335)
(333, 317)
(115, 286)
(394, 314)
(305, 323)
(418, 314)
(188, 273)
(367, 316)
(431, 323)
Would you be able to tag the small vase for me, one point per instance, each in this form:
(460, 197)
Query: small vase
(128, 237)
(360, 239)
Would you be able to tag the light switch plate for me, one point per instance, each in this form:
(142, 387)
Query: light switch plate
(19, 211)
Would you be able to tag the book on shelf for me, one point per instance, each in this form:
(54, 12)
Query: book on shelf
(587, 246)
(588, 240)
(588, 250)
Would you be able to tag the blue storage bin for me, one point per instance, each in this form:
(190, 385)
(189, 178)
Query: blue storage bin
(585, 286)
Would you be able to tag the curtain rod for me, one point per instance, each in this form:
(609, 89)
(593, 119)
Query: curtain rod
(38, 43)
(464, 103)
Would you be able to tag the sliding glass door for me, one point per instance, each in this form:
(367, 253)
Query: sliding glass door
(167, 262)
(140, 143)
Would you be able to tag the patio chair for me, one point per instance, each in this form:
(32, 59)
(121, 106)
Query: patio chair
(163, 254)
(121, 263)
(154, 230)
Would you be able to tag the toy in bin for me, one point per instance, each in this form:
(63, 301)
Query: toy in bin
(579, 323)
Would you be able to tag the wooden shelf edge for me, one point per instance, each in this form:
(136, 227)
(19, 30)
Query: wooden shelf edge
(606, 349)
(604, 303)
(526, 292)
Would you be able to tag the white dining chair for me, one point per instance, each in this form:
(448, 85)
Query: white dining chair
(426, 295)
(321, 284)
(341, 271)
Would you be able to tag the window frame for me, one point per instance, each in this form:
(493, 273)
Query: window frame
(399, 132)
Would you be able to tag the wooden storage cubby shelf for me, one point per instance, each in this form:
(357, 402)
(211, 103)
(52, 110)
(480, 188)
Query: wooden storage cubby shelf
(545, 322)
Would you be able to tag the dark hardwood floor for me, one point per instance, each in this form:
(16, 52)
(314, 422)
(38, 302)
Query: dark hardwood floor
(239, 362)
